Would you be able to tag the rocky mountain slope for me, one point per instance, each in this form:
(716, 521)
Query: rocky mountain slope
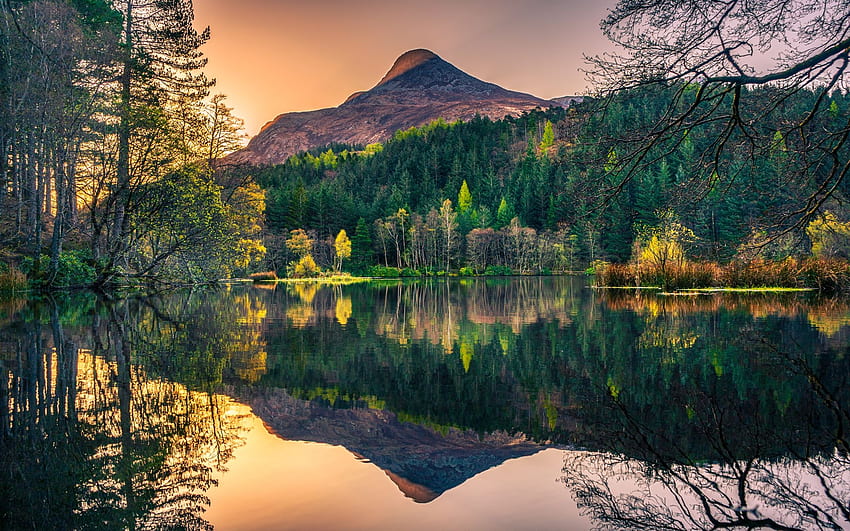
(420, 87)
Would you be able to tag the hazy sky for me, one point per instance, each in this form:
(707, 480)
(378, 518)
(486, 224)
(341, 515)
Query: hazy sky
(276, 56)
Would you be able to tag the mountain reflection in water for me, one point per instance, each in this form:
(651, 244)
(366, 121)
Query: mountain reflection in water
(688, 412)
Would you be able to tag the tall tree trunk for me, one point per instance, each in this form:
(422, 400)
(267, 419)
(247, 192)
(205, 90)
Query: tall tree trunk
(60, 220)
(119, 226)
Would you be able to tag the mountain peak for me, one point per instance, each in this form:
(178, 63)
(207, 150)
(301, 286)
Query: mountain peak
(419, 88)
(408, 61)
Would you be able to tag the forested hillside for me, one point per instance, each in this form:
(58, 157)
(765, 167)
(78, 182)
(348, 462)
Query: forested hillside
(547, 191)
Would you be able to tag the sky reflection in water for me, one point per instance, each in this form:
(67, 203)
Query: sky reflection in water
(462, 396)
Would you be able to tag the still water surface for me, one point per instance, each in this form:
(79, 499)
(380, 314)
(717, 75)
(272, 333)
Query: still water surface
(531, 403)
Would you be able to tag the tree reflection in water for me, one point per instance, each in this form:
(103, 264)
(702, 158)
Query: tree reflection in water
(92, 434)
(714, 453)
(699, 412)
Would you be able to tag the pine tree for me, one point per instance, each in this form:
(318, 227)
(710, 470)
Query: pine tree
(361, 247)
(159, 66)
(548, 138)
(504, 214)
(464, 199)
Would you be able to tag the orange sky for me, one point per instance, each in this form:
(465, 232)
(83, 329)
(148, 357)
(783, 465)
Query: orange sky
(276, 56)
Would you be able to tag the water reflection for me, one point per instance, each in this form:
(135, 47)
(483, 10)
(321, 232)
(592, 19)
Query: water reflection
(692, 412)
(749, 432)
(90, 434)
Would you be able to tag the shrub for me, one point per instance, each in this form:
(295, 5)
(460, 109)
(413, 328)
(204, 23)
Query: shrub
(692, 275)
(466, 272)
(305, 267)
(498, 271)
(263, 276)
(594, 267)
(384, 272)
(828, 275)
(408, 272)
(761, 273)
(73, 268)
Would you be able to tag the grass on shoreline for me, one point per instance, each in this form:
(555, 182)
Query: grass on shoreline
(708, 291)
(824, 275)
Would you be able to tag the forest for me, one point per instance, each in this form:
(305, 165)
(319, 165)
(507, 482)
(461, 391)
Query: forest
(107, 134)
(111, 140)
(545, 192)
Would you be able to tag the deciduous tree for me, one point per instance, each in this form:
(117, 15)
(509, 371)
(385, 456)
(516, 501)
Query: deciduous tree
(342, 248)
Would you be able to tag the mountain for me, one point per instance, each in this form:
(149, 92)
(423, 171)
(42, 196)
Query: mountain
(419, 88)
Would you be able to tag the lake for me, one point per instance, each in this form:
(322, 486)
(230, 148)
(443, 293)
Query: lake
(499, 403)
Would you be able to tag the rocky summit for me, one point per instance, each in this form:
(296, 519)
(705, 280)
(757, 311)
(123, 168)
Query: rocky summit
(419, 88)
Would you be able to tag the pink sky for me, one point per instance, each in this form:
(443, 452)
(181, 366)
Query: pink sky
(276, 56)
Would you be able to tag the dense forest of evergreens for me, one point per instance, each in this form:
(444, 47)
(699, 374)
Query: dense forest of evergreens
(546, 191)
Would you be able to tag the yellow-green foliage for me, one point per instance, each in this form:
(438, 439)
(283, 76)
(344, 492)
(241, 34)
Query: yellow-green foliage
(299, 243)
(249, 251)
(342, 246)
(661, 252)
(371, 149)
(548, 137)
(464, 198)
(829, 236)
(305, 267)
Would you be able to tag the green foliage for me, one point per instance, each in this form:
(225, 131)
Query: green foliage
(384, 272)
(361, 247)
(504, 214)
(183, 226)
(74, 269)
(408, 272)
(498, 271)
(549, 190)
(466, 271)
(464, 199)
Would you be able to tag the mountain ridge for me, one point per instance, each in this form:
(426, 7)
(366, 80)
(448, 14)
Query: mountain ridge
(419, 87)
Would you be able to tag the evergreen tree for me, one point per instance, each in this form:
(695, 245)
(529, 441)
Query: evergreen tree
(361, 247)
(548, 138)
(464, 199)
(159, 67)
(504, 214)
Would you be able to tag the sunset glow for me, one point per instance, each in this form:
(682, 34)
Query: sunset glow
(296, 56)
